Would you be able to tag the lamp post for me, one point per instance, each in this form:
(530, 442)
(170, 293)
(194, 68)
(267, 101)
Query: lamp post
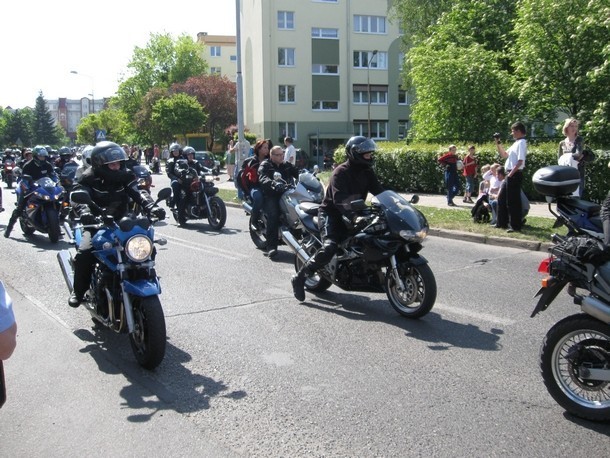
(368, 85)
(74, 72)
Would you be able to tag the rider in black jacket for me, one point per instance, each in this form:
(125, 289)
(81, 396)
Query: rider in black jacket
(350, 181)
(173, 172)
(273, 190)
(110, 186)
(189, 163)
(33, 170)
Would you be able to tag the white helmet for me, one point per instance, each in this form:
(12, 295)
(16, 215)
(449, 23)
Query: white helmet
(87, 155)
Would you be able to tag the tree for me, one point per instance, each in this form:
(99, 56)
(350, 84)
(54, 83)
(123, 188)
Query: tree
(562, 60)
(179, 113)
(218, 96)
(111, 120)
(147, 131)
(18, 127)
(158, 65)
(416, 16)
(45, 131)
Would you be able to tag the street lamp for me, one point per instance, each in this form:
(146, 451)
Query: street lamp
(368, 85)
(74, 72)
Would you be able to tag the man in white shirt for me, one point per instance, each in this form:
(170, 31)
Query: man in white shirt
(290, 154)
(510, 214)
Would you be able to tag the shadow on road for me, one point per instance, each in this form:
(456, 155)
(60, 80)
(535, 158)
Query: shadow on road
(441, 333)
(172, 386)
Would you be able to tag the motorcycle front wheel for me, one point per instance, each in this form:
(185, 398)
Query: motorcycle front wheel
(419, 293)
(53, 225)
(9, 182)
(27, 230)
(570, 350)
(148, 338)
(217, 213)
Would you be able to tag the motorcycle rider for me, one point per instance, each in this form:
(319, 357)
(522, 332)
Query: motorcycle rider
(110, 185)
(190, 162)
(352, 180)
(65, 156)
(25, 158)
(36, 169)
(173, 172)
(251, 165)
(273, 190)
(86, 158)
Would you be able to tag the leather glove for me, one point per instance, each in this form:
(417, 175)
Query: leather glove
(280, 188)
(87, 219)
(158, 213)
(360, 221)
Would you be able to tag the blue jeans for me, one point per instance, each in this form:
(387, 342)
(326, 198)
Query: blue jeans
(257, 203)
(452, 183)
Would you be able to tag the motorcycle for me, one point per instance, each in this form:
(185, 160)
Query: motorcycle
(553, 182)
(199, 199)
(144, 184)
(7, 172)
(575, 353)
(124, 292)
(43, 207)
(381, 253)
(66, 180)
(308, 189)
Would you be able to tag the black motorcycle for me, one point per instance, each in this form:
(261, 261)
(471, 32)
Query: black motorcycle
(198, 198)
(380, 255)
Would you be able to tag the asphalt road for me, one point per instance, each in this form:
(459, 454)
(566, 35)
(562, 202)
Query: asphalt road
(251, 372)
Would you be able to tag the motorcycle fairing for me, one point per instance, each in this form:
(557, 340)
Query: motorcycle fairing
(142, 288)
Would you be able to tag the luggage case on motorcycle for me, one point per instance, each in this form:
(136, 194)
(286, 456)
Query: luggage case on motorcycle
(556, 180)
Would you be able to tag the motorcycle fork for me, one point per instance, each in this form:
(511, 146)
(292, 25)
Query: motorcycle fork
(127, 307)
(395, 274)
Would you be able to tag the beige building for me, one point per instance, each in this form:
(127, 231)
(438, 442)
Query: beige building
(321, 71)
(220, 53)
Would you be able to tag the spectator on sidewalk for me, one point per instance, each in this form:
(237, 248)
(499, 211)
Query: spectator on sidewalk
(449, 162)
(470, 173)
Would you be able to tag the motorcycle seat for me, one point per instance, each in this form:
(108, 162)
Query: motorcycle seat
(310, 208)
(580, 205)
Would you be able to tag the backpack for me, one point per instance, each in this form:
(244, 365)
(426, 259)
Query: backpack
(247, 177)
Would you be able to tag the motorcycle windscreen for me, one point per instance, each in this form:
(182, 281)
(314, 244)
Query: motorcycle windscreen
(400, 214)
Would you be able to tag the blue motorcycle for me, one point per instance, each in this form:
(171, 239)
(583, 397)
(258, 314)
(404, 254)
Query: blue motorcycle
(44, 202)
(124, 291)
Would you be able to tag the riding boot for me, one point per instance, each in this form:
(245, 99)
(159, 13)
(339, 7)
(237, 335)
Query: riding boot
(298, 281)
(11, 223)
(83, 267)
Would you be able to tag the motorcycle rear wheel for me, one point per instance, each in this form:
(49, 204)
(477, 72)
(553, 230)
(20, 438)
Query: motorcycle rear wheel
(259, 236)
(53, 225)
(149, 336)
(419, 295)
(217, 213)
(577, 341)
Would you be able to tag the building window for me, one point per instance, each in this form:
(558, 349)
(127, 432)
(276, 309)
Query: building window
(403, 128)
(321, 69)
(285, 57)
(369, 24)
(233, 58)
(403, 97)
(286, 94)
(318, 32)
(285, 20)
(325, 105)
(366, 59)
(215, 71)
(288, 129)
(379, 129)
(215, 51)
(379, 94)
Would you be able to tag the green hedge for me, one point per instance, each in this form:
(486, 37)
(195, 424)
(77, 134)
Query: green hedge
(413, 167)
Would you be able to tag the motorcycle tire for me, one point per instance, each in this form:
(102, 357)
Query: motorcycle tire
(149, 336)
(25, 228)
(313, 283)
(419, 295)
(584, 338)
(217, 213)
(53, 225)
(9, 183)
(258, 236)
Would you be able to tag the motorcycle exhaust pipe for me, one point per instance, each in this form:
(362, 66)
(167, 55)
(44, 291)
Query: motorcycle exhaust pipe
(596, 308)
(290, 241)
(66, 268)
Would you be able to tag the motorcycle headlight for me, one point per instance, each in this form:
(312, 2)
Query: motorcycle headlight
(413, 236)
(42, 196)
(138, 248)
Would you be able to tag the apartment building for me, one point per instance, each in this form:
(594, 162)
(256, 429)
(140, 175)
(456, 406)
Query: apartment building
(220, 53)
(321, 71)
(69, 112)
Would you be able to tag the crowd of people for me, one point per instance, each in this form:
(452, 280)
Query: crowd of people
(500, 190)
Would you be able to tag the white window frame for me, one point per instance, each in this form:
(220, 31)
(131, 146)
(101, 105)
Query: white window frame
(324, 105)
(285, 20)
(376, 25)
(377, 97)
(365, 58)
(403, 128)
(401, 93)
(288, 56)
(324, 69)
(215, 70)
(288, 129)
(287, 89)
(378, 127)
(215, 51)
(325, 33)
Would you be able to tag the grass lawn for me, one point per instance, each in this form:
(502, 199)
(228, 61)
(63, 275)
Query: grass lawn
(536, 228)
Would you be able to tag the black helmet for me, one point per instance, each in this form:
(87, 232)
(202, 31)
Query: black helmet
(174, 147)
(105, 153)
(39, 152)
(188, 150)
(65, 151)
(357, 146)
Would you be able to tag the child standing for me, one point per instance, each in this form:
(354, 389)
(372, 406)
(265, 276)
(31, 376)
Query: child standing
(470, 172)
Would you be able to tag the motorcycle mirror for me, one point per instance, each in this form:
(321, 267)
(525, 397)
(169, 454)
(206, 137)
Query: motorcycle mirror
(277, 176)
(81, 197)
(414, 199)
(357, 205)
(161, 241)
(164, 194)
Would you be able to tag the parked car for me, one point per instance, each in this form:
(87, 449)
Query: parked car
(207, 159)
